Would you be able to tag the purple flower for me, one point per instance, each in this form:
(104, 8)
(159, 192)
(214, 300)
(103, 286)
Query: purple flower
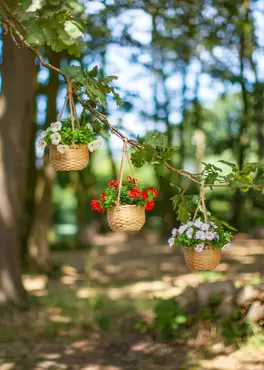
(174, 232)
(200, 235)
(171, 242)
(205, 227)
(210, 235)
(228, 245)
(198, 224)
(189, 233)
(181, 229)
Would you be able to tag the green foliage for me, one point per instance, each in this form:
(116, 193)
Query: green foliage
(80, 135)
(184, 206)
(153, 149)
(169, 318)
(235, 329)
(198, 233)
(92, 84)
(54, 23)
(130, 193)
(235, 178)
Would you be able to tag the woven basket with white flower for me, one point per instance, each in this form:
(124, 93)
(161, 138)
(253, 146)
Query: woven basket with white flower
(69, 141)
(201, 241)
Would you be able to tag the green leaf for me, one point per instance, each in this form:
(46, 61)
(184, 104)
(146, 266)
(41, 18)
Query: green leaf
(110, 79)
(175, 187)
(74, 73)
(228, 226)
(232, 165)
(160, 169)
(137, 159)
(73, 29)
(183, 213)
(36, 36)
(93, 72)
(105, 134)
(118, 100)
(156, 139)
(180, 319)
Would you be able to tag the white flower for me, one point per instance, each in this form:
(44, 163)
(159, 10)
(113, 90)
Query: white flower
(89, 126)
(189, 233)
(228, 245)
(199, 248)
(55, 126)
(95, 144)
(200, 235)
(41, 144)
(42, 134)
(55, 138)
(213, 224)
(63, 148)
(174, 232)
(171, 242)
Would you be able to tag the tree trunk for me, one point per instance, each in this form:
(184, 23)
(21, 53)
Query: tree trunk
(39, 258)
(242, 137)
(16, 117)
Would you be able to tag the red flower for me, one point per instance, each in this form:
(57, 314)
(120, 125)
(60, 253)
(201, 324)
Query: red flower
(154, 192)
(150, 205)
(100, 210)
(132, 179)
(134, 193)
(95, 204)
(113, 183)
(145, 194)
(103, 195)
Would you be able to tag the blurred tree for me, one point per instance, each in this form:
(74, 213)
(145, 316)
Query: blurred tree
(42, 214)
(18, 76)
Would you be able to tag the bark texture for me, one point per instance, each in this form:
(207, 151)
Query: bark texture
(16, 119)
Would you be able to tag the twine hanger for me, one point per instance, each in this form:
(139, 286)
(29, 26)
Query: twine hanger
(69, 99)
(121, 170)
(201, 201)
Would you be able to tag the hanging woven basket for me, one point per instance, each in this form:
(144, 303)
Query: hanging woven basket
(75, 159)
(209, 258)
(126, 218)
(206, 260)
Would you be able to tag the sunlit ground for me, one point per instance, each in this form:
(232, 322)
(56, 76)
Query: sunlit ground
(87, 318)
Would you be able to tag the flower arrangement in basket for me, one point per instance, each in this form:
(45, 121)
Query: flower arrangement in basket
(69, 141)
(125, 203)
(201, 241)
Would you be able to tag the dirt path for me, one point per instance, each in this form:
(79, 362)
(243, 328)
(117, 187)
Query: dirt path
(63, 334)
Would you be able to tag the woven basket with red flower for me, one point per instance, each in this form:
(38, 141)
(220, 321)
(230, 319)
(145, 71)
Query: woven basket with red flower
(125, 202)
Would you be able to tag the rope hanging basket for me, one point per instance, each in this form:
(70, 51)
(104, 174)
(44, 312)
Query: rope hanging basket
(125, 217)
(210, 257)
(77, 157)
(206, 260)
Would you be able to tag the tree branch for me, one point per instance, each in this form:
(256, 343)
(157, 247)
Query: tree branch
(10, 25)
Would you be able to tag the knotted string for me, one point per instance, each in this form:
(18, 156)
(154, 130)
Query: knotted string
(121, 170)
(201, 201)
